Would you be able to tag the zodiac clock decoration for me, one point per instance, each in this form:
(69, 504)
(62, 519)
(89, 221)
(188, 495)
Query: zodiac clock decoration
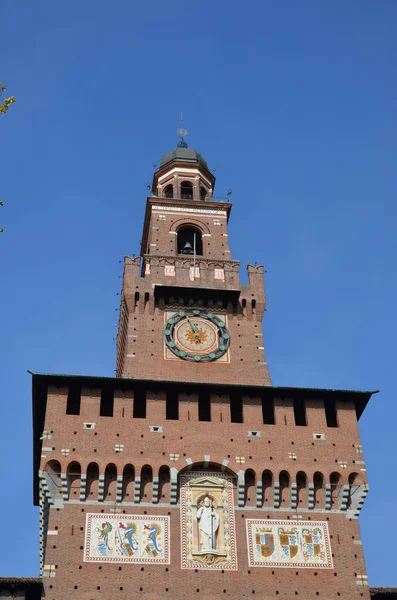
(196, 335)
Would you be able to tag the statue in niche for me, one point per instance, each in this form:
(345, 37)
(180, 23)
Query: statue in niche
(208, 521)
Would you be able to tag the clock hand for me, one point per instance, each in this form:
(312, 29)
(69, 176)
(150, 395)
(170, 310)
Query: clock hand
(195, 331)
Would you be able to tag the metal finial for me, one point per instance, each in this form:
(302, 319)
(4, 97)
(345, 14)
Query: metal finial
(183, 133)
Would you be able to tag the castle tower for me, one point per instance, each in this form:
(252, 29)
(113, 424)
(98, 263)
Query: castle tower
(186, 267)
(190, 474)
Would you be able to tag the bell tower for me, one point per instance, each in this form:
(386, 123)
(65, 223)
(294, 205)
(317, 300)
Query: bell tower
(189, 475)
(184, 313)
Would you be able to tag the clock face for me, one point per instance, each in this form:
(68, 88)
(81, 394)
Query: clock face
(196, 335)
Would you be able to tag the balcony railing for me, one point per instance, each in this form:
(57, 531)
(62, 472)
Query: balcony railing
(190, 197)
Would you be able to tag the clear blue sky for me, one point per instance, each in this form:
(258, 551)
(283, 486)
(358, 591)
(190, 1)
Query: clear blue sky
(294, 105)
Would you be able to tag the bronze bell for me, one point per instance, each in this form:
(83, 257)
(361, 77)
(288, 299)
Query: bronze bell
(187, 248)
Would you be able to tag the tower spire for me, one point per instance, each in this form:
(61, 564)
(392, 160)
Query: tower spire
(183, 133)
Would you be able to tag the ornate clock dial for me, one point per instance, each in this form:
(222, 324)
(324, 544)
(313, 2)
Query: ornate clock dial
(196, 335)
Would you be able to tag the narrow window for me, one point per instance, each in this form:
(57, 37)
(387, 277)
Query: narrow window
(107, 401)
(299, 412)
(172, 406)
(147, 298)
(268, 411)
(236, 409)
(139, 403)
(74, 399)
(204, 407)
(330, 412)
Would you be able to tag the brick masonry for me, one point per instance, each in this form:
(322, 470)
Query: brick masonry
(293, 454)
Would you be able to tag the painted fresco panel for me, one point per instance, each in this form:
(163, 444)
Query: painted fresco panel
(303, 544)
(127, 538)
(208, 538)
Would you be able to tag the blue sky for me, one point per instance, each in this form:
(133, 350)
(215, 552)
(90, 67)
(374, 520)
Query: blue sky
(294, 105)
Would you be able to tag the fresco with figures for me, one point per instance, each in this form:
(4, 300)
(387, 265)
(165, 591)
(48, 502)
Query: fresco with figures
(208, 537)
(127, 538)
(303, 544)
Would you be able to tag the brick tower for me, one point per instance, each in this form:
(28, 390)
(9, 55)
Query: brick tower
(189, 475)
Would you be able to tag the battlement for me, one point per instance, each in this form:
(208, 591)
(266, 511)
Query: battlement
(242, 428)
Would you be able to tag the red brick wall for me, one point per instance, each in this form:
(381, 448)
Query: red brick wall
(191, 438)
(140, 348)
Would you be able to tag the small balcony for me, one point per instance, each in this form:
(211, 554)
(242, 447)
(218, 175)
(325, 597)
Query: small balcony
(190, 197)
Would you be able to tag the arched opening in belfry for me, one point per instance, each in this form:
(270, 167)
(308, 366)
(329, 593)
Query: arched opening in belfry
(186, 190)
(190, 241)
(203, 193)
(168, 191)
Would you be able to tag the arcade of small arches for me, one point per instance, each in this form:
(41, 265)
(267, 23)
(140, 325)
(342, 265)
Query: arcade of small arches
(185, 190)
(266, 489)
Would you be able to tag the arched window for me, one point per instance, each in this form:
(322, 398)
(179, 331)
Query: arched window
(74, 480)
(110, 488)
(203, 193)
(169, 191)
(318, 482)
(301, 482)
(52, 473)
(164, 484)
(146, 483)
(92, 482)
(267, 486)
(250, 490)
(128, 483)
(284, 487)
(186, 190)
(354, 479)
(354, 482)
(147, 298)
(189, 239)
(335, 488)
